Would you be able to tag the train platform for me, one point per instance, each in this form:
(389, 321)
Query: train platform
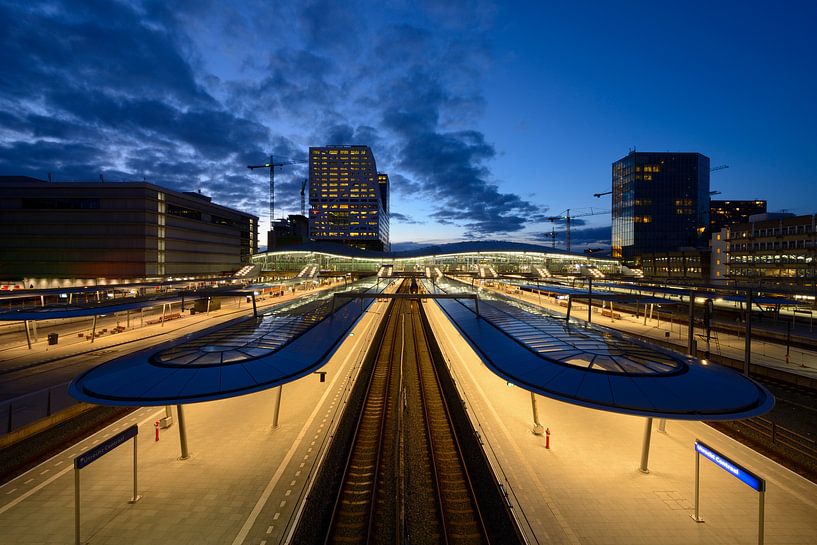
(244, 481)
(587, 488)
(241, 484)
(800, 361)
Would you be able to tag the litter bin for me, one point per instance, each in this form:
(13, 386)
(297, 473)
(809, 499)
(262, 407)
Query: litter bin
(53, 338)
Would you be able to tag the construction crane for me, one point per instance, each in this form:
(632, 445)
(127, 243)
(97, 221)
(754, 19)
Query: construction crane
(567, 217)
(272, 165)
(551, 235)
(713, 169)
(303, 197)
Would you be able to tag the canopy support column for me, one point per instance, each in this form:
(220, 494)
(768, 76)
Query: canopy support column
(747, 351)
(277, 406)
(645, 447)
(182, 434)
(28, 334)
(537, 427)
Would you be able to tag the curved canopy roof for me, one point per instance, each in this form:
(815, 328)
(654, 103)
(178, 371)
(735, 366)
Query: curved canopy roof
(484, 246)
(54, 312)
(241, 357)
(599, 368)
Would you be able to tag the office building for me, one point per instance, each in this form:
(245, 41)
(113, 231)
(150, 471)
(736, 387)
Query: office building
(291, 231)
(88, 233)
(724, 213)
(660, 203)
(681, 264)
(773, 249)
(348, 199)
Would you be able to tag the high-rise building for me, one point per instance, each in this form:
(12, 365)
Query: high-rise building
(724, 213)
(84, 233)
(348, 199)
(660, 203)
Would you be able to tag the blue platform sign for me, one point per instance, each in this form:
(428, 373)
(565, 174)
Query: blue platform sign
(730, 467)
(105, 447)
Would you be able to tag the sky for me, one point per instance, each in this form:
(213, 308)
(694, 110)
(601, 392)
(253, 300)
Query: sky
(488, 117)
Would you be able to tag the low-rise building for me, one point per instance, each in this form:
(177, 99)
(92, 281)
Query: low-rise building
(87, 233)
(773, 249)
(684, 263)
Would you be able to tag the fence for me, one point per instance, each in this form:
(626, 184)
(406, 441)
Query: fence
(21, 411)
(781, 436)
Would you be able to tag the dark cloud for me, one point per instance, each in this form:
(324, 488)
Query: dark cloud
(588, 237)
(188, 94)
(403, 218)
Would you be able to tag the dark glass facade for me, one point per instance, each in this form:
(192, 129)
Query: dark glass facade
(725, 213)
(660, 203)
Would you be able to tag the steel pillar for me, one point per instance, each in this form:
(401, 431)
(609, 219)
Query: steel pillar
(537, 427)
(277, 406)
(182, 434)
(645, 448)
(747, 351)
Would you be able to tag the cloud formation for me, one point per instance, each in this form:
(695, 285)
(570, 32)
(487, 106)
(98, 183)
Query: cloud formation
(188, 98)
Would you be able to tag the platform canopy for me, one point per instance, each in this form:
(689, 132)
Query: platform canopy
(59, 312)
(243, 356)
(599, 368)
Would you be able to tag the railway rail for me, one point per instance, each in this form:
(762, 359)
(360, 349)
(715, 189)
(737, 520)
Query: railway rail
(405, 478)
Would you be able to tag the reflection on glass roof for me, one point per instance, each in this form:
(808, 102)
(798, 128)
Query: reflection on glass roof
(591, 366)
(251, 339)
(594, 350)
(553, 339)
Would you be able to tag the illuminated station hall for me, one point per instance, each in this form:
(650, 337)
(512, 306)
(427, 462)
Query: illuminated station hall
(476, 392)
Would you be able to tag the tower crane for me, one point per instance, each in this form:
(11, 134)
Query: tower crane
(303, 198)
(567, 217)
(272, 165)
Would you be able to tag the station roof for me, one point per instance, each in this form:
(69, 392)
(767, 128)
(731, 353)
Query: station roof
(469, 247)
(550, 288)
(761, 300)
(599, 368)
(241, 357)
(57, 312)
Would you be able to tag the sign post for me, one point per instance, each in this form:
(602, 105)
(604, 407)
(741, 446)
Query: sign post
(736, 470)
(94, 454)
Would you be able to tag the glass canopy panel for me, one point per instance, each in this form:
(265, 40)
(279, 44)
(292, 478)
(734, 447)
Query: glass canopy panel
(555, 340)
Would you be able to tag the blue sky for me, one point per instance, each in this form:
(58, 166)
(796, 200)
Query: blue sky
(488, 117)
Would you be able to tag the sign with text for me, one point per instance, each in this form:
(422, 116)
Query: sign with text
(731, 467)
(105, 447)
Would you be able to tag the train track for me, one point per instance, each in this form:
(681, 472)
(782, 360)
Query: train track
(356, 508)
(405, 479)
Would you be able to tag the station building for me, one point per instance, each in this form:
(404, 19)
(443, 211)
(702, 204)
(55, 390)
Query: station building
(93, 233)
(484, 258)
(348, 198)
(660, 203)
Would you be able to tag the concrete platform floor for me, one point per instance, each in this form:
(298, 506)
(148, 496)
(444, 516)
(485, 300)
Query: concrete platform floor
(244, 480)
(240, 485)
(587, 487)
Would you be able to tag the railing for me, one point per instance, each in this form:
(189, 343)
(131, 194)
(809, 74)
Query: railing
(21, 411)
(781, 436)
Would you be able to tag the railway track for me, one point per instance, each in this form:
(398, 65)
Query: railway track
(405, 479)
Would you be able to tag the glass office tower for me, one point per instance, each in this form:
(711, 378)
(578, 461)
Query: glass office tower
(660, 203)
(348, 198)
